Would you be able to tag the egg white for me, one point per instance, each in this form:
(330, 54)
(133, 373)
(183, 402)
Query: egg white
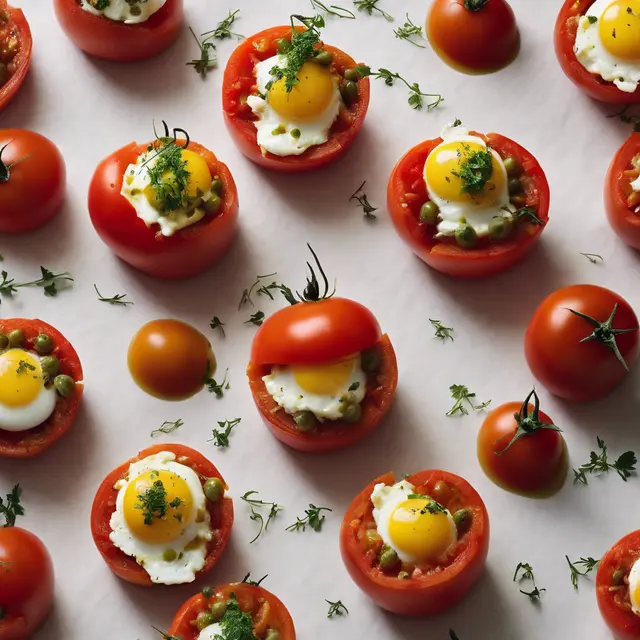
(212, 632)
(311, 133)
(148, 555)
(120, 10)
(634, 587)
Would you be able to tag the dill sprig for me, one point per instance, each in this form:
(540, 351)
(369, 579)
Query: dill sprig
(256, 505)
(476, 168)
(408, 31)
(587, 564)
(313, 517)
(153, 503)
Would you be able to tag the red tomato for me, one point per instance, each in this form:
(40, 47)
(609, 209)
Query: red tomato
(239, 82)
(613, 595)
(427, 592)
(32, 180)
(473, 40)
(407, 192)
(26, 444)
(535, 462)
(104, 505)
(267, 611)
(559, 356)
(620, 201)
(15, 30)
(111, 40)
(26, 583)
(565, 36)
(187, 253)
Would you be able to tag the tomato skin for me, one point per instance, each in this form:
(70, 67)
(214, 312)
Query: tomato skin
(104, 505)
(624, 625)
(187, 253)
(239, 78)
(248, 597)
(36, 187)
(480, 41)
(110, 40)
(622, 219)
(572, 370)
(26, 587)
(435, 592)
(22, 59)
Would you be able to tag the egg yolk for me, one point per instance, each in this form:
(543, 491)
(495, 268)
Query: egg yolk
(156, 506)
(418, 532)
(619, 28)
(20, 378)
(327, 379)
(309, 98)
(445, 169)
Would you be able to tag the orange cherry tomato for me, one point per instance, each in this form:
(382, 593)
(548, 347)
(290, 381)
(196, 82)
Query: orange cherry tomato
(473, 36)
(15, 51)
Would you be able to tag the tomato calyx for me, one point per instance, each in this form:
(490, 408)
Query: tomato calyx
(165, 636)
(5, 169)
(474, 5)
(604, 333)
(528, 423)
(312, 292)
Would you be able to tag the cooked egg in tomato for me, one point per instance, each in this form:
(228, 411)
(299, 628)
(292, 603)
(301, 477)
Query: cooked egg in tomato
(127, 11)
(608, 42)
(416, 527)
(161, 519)
(634, 587)
(212, 632)
(25, 400)
(288, 123)
(445, 174)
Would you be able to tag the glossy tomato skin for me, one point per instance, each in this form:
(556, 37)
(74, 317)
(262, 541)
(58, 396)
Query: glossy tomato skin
(574, 370)
(249, 598)
(238, 82)
(26, 589)
(188, 252)
(564, 40)
(35, 190)
(407, 191)
(624, 624)
(480, 41)
(624, 221)
(23, 58)
(111, 40)
(432, 593)
(104, 504)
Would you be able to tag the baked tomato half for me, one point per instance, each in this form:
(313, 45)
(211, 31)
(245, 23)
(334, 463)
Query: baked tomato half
(582, 341)
(240, 605)
(168, 208)
(166, 498)
(423, 548)
(136, 29)
(15, 51)
(490, 181)
(618, 587)
(271, 123)
(32, 180)
(40, 386)
(622, 192)
(521, 449)
(473, 36)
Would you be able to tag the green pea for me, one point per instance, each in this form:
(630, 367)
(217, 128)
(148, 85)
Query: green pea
(349, 92)
(513, 167)
(284, 45)
(500, 227)
(305, 421)
(325, 58)
(352, 413)
(169, 555)
(352, 74)
(50, 366)
(279, 130)
(388, 558)
(403, 575)
(295, 133)
(466, 236)
(64, 385)
(214, 489)
(4, 341)
(203, 620)
(429, 213)
(212, 204)
(218, 609)
(463, 520)
(216, 186)
(370, 360)
(4, 73)
(208, 591)
(515, 186)
(16, 338)
(618, 577)
(272, 634)
(43, 343)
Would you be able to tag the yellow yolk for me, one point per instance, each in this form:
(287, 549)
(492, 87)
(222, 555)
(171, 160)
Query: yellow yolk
(156, 504)
(308, 99)
(619, 28)
(418, 532)
(443, 171)
(326, 379)
(20, 378)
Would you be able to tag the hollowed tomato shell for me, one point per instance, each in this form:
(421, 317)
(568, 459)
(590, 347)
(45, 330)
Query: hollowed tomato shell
(23, 58)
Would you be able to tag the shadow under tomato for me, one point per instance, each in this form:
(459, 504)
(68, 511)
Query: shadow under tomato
(25, 104)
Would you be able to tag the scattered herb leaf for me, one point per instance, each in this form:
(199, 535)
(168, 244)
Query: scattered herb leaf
(624, 466)
(118, 299)
(594, 258)
(363, 202)
(313, 517)
(48, 281)
(408, 31)
(442, 332)
(246, 294)
(223, 29)
(10, 507)
(216, 323)
(221, 437)
(255, 505)
(333, 10)
(336, 608)
(588, 564)
(216, 388)
(460, 394)
(167, 427)
(208, 59)
(370, 6)
(256, 318)
(526, 573)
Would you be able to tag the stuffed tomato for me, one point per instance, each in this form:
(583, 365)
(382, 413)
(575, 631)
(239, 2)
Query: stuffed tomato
(40, 387)
(237, 606)
(469, 205)
(416, 547)
(292, 103)
(121, 30)
(168, 208)
(162, 517)
(597, 43)
(15, 51)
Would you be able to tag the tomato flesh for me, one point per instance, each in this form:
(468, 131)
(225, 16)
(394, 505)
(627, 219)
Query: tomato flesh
(15, 51)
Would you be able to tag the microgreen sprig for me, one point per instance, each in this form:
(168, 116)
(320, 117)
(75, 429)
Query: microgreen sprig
(593, 258)
(363, 202)
(10, 508)
(48, 281)
(525, 571)
(217, 388)
(333, 10)
(461, 394)
(167, 427)
(246, 294)
(336, 609)
(442, 332)
(221, 436)
(216, 323)
(256, 318)
(118, 299)
(408, 31)
(223, 28)
(598, 463)
(208, 57)
(282, 288)
(255, 505)
(588, 564)
(369, 6)
(313, 517)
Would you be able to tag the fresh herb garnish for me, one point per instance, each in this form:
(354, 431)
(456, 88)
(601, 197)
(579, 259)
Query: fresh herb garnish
(370, 6)
(282, 288)
(255, 504)
(236, 624)
(221, 438)
(247, 580)
(588, 564)
(354, 386)
(256, 318)
(592, 19)
(215, 387)
(216, 323)
(599, 463)
(442, 332)
(594, 258)
(167, 427)
(24, 366)
(333, 10)
(476, 168)
(363, 202)
(10, 508)
(408, 31)
(208, 59)
(118, 299)
(223, 29)
(153, 502)
(336, 608)
(246, 294)
(460, 394)
(313, 517)
(48, 281)
(527, 574)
